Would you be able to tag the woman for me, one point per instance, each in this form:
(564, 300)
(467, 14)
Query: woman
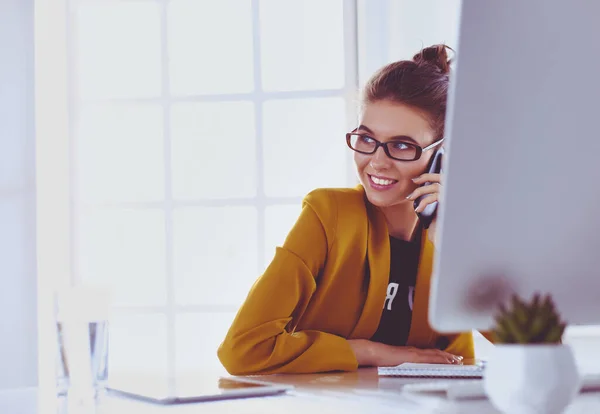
(350, 285)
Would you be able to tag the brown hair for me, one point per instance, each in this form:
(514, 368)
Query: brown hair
(421, 83)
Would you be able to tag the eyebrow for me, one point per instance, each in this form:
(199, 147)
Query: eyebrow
(396, 138)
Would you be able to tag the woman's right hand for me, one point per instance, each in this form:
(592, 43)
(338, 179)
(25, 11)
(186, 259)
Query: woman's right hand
(369, 353)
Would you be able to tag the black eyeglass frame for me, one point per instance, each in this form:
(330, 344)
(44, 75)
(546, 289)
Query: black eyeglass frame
(418, 153)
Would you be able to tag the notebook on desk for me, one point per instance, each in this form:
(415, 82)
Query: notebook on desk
(433, 370)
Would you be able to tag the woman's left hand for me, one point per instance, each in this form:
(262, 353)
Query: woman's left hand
(431, 193)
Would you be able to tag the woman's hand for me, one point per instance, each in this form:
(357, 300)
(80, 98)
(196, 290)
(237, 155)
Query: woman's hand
(431, 193)
(369, 353)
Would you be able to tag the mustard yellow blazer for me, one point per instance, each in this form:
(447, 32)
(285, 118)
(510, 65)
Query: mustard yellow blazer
(325, 285)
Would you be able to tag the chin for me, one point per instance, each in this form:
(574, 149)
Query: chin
(383, 201)
(385, 198)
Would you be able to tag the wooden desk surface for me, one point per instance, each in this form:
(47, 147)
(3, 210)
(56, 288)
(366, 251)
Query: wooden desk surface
(355, 392)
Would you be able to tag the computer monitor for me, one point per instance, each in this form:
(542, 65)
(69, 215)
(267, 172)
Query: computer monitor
(520, 205)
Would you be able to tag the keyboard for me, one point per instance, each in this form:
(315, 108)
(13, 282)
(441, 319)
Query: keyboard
(432, 370)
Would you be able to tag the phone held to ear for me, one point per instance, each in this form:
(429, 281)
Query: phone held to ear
(435, 167)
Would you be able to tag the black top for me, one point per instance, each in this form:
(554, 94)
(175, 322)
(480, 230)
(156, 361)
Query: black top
(397, 309)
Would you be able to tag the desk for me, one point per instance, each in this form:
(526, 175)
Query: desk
(355, 392)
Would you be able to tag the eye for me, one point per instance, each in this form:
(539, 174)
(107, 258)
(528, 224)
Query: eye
(366, 140)
(399, 146)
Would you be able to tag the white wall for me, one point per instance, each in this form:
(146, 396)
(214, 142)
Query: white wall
(391, 30)
(415, 24)
(18, 326)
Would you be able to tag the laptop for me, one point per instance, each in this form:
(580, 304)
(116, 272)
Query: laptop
(190, 388)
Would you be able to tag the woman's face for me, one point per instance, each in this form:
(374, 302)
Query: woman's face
(388, 182)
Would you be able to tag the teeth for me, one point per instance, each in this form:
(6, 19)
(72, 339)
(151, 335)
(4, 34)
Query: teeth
(381, 181)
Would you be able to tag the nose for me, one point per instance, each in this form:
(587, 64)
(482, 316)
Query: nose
(380, 160)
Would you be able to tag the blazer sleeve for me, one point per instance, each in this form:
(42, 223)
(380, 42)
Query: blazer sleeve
(262, 338)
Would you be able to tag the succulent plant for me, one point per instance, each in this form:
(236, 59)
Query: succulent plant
(536, 322)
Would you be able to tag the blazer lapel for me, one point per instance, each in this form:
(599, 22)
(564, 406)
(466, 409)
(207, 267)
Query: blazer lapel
(378, 256)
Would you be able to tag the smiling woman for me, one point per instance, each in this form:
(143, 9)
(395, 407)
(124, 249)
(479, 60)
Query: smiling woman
(350, 285)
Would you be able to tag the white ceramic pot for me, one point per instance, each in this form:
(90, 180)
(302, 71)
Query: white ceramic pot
(531, 379)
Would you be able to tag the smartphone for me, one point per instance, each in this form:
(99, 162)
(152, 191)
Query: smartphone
(435, 167)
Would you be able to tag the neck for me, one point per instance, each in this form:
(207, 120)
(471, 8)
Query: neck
(401, 220)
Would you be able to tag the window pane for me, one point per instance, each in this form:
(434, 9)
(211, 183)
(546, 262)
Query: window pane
(198, 337)
(126, 250)
(279, 220)
(304, 145)
(118, 48)
(215, 254)
(210, 46)
(121, 153)
(213, 150)
(138, 343)
(302, 44)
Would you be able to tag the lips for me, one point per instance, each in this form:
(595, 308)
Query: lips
(382, 180)
(381, 183)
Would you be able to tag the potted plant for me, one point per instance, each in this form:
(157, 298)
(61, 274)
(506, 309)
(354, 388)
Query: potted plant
(530, 370)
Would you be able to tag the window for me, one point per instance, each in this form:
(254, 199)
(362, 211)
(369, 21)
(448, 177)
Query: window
(196, 129)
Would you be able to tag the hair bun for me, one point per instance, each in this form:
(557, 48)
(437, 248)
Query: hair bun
(435, 55)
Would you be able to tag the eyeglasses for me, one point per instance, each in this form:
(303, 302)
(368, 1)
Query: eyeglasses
(396, 150)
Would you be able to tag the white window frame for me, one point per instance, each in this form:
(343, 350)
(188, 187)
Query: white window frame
(258, 97)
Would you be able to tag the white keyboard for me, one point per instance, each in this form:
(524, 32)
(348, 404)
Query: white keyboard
(408, 369)
(473, 388)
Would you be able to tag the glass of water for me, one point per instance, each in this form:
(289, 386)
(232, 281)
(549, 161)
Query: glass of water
(82, 328)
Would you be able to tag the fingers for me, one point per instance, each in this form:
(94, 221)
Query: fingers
(454, 359)
(435, 356)
(394, 355)
(426, 201)
(458, 360)
(434, 359)
(426, 189)
(423, 178)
